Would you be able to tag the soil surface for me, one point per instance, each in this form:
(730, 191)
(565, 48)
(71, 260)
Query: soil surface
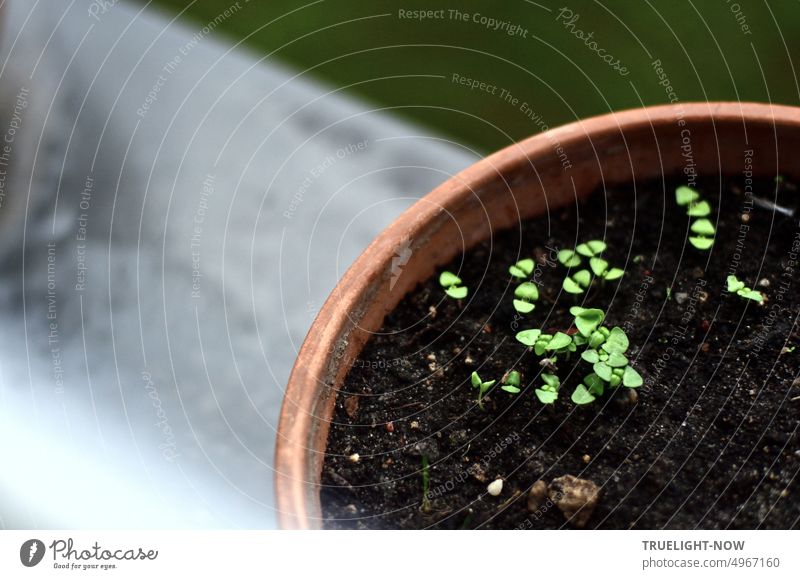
(709, 441)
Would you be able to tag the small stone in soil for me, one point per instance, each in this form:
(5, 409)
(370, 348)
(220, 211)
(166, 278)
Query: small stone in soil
(354, 457)
(586, 458)
(537, 495)
(495, 487)
(575, 497)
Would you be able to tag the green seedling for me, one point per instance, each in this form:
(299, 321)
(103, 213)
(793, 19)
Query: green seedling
(522, 269)
(609, 361)
(593, 248)
(511, 382)
(525, 294)
(737, 286)
(451, 284)
(702, 228)
(426, 484)
(577, 282)
(601, 269)
(704, 232)
(483, 387)
(548, 393)
(572, 257)
(560, 343)
(569, 258)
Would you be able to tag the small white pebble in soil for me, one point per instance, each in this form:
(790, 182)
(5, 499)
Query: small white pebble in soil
(587, 458)
(431, 357)
(354, 457)
(495, 487)
(468, 360)
(745, 217)
(763, 282)
(414, 425)
(432, 311)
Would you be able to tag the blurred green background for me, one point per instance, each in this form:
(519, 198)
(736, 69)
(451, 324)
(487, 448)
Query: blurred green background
(710, 50)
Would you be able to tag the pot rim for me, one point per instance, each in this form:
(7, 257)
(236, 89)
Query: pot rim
(293, 469)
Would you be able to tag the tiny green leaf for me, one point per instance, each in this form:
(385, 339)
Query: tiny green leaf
(617, 341)
(513, 378)
(617, 360)
(594, 384)
(524, 307)
(734, 284)
(587, 319)
(527, 291)
(699, 209)
(522, 269)
(590, 356)
(457, 293)
(596, 246)
(614, 273)
(568, 258)
(686, 195)
(603, 370)
(559, 341)
(475, 379)
(528, 337)
(551, 380)
(448, 279)
(753, 295)
(546, 396)
(571, 287)
(511, 389)
(631, 378)
(703, 227)
(582, 277)
(598, 265)
(582, 396)
(701, 243)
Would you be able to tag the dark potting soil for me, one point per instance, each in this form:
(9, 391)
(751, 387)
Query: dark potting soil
(709, 441)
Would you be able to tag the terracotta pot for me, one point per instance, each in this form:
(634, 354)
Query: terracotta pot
(519, 182)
